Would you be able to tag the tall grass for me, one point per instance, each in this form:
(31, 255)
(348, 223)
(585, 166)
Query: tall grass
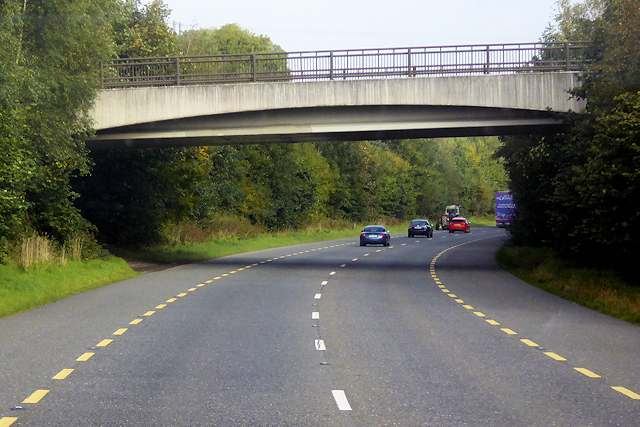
(34, 250)
(39, 251)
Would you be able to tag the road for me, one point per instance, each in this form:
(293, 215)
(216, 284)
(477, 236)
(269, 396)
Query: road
(426, 332)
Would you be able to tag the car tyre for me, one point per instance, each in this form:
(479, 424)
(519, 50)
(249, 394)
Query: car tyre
(362, 244)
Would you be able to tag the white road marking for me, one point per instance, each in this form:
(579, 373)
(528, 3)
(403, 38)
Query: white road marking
(355, 259)
(332, 273)
(318, 296)
(315, 315)
(343, 265)
(320, 345)
(324, 282)
(341, 400)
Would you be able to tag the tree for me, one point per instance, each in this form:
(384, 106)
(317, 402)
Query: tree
(142, 31)
(16, 164)
(147, 190)
(575, 21)
(577, 191)
(49, 75)
(617, 67)
(347, 197)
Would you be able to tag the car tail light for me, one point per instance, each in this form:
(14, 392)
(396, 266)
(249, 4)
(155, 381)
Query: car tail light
(362, 235)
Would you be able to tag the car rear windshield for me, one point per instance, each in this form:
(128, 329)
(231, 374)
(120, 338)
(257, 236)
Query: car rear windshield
(419, 223)
(374, 229)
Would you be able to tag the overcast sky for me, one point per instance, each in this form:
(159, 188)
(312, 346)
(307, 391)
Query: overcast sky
(299, 25)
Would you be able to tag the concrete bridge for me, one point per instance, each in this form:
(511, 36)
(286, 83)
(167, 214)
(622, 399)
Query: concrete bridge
(347, 109)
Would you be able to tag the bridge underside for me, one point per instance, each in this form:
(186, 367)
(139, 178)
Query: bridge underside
(332, 124)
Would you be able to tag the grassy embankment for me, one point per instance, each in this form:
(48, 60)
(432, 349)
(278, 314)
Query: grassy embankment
(22, 289)
(597, 289)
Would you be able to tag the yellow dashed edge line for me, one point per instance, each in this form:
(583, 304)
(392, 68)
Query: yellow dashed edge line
(84, 357)
(555, 356)
(62, 374)
(7, 421)
(36, 396)
(508, 331)
(39, 394)
(587, 372)
(627, 392)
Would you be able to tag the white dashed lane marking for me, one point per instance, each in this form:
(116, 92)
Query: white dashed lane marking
(341, 400)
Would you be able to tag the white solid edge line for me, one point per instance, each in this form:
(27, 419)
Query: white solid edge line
(341, 400)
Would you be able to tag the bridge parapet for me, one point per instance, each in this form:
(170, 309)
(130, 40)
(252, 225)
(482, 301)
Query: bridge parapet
(346, 64)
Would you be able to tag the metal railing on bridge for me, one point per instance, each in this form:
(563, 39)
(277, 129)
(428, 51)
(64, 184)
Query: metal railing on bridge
(346, 64)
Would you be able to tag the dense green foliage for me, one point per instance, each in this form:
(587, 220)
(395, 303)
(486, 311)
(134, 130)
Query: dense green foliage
(48, 79)
(283, 186)
(141, 31)
(228, 39)
(578, 191)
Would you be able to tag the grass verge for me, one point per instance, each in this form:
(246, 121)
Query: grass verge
(24, 289)
(482, 221)
(601, 290)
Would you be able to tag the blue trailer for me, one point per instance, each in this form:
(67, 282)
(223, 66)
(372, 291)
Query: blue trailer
(504, 208)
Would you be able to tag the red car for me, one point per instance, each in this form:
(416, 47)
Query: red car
(459, 224)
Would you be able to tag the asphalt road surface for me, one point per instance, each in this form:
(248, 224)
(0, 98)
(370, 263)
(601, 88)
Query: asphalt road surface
(426, 332)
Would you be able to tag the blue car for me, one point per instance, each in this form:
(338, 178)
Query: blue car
(375, 235)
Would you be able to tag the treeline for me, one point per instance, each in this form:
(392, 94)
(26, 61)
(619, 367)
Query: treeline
(579, 192)
(51, 185)
(133, 195)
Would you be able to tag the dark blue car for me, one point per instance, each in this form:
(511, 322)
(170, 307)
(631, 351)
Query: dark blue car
(375, 235)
